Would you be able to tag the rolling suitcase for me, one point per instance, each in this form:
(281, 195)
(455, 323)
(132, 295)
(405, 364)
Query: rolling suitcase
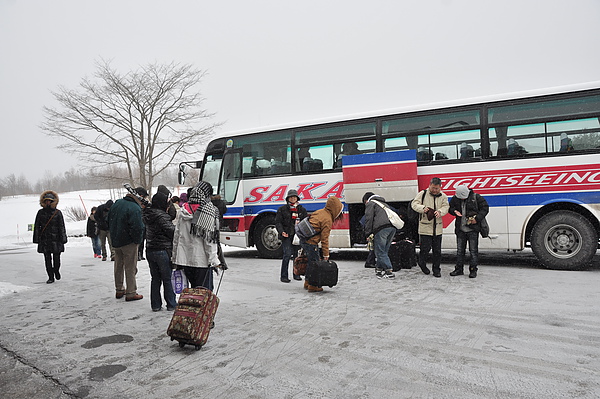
(193, 318)
(321, 273)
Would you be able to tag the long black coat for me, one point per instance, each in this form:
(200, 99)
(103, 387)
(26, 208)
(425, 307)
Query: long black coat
(49, 231)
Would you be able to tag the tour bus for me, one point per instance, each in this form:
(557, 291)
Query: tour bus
(534, 156)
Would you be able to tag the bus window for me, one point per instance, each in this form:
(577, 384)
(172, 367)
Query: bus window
(340, 134)
(584, 134)
(518, 140)
(265, 154)
(211, 169)
(461, 145)
(317, 158)
(353, 148)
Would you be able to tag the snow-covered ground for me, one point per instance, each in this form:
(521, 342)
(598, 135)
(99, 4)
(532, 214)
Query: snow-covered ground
(18, 215)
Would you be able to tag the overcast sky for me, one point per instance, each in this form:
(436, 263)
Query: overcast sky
(278, 62)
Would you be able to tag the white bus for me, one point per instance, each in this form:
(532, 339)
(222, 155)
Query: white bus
(534, 156)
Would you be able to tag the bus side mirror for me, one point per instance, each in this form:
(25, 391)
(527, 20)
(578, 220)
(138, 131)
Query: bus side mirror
(181, 175)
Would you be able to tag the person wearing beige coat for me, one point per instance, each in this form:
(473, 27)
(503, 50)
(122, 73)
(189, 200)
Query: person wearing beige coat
(431, 208)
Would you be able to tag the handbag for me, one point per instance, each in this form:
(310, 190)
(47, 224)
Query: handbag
(484, 228)
(179, 281)
(300, 264)
(305, 230)
(296, 240)
(392, 216)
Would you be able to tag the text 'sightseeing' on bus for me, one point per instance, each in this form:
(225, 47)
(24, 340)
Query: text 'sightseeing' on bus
(534, 157)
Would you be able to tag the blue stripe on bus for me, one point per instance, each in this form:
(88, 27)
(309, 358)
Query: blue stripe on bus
(379, 157)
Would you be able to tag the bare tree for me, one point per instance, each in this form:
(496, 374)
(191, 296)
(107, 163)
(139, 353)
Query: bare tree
(141, 120)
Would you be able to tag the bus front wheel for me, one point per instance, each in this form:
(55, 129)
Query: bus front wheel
(267, 239)
(564, 240)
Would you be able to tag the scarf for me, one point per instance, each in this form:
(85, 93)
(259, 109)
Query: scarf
(205, 220)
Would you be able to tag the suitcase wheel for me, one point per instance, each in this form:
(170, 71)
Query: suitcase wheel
(198, 347)
(181, 344)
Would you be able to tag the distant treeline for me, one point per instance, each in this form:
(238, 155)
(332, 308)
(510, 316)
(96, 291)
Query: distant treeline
(75, 180)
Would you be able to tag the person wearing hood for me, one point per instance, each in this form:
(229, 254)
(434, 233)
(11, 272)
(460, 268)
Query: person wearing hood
(197, 236)
(432, 205)
(50, 234)
(378, 223)
(171, 210)
(159, 248)
(101, 217)
(91, 230)
(286, 218)
(322, 220)
(470, 209)
(126, 231)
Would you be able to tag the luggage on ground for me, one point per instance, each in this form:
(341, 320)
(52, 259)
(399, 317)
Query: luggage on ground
(300, 263)
(402, 254)
(322, 273)
(193, 317)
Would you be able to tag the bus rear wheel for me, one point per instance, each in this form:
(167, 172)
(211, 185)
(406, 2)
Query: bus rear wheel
(564, 240)
(266, 239)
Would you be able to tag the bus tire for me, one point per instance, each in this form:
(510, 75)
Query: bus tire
(564, 240)
(267, 239)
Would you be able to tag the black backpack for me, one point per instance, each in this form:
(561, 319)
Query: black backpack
(411, 213)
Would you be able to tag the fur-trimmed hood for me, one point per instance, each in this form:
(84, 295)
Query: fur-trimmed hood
(49, 194)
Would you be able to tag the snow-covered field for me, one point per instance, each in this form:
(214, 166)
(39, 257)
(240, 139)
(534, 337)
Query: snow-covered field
(18, 214)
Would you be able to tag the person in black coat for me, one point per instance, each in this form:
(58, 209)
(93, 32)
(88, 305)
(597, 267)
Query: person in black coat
(91, 231)
(101, 217)
(470, 209)
(50, 234)
(285, 221)
(159, 248)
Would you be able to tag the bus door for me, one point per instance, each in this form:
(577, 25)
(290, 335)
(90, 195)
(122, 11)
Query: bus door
(232, 228)
(391, 175)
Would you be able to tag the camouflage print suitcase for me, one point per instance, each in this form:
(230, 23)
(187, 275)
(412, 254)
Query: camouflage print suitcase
(193, 317)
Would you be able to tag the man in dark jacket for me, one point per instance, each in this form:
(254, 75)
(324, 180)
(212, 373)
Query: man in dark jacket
(159, 248)
(126, 231)
(378, 223)
(469, 208)
(285, 221)
(103, 233)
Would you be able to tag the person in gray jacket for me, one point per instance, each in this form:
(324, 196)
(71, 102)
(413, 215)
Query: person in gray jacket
(378, 223)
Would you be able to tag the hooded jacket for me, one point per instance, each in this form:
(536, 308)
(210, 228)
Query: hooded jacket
(101, 215)
(476, 206)
(159, 227)
(49, 230)
(322, 220)
(435, 226)
(376, 218)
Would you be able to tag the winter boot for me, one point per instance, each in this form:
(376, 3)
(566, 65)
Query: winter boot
(56, 272)
(305, 284)
(312, 288)
(50, 273)
(458, 271)
(472, 272)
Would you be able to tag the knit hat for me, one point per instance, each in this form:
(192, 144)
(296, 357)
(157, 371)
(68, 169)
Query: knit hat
(462, 192)
(291, 193)
(367, 195)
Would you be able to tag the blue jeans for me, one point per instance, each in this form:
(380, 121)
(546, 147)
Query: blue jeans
(96, 245)
(381, 244)
(427, 244)
(160, 270)
(288, 253)
(461, 245)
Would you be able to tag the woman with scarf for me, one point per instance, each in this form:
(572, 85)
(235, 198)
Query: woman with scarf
(197, 236)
